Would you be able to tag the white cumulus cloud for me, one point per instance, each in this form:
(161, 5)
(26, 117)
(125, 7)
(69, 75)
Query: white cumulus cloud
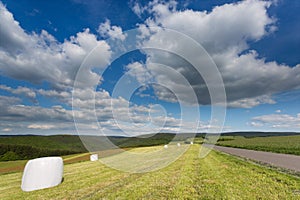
(107, 30)
(286, 121)
(225, 33)
(38, 57)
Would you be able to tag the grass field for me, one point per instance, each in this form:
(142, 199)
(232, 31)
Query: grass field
(280, 144)
(18, 165)
(32, 146)
(217, 176)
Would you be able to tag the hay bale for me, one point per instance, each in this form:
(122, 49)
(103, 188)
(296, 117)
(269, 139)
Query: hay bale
(178, 144)
(42, 173)
(166, 146)
(94, 157)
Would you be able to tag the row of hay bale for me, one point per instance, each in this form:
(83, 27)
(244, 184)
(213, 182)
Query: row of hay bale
(41, 173)
(178, 144)
(47, 172)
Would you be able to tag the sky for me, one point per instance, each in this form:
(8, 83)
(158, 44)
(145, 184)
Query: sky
(142, 67)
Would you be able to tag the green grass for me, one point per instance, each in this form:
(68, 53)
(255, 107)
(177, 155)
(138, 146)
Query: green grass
(18, 165)
(217, 176)
(279, 144)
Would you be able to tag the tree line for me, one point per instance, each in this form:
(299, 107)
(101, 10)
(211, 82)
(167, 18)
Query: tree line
(23, 152)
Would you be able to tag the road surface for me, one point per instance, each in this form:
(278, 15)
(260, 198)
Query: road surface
(287, 161)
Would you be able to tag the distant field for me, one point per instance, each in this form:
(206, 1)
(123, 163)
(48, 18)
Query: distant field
(217, 176)
(28, 147)
(279, 144)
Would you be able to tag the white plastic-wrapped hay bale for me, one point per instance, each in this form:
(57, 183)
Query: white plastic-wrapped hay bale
(94, 157)
(166, 146)
(42, 173)
(178, 144)
(192, 142)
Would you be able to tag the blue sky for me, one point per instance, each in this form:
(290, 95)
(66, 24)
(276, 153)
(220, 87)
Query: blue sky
(45, 50)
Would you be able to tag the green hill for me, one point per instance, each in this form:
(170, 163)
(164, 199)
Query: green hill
(28, 147)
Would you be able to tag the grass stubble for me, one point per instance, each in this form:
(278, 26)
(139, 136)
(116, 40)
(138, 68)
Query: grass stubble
(217, 176)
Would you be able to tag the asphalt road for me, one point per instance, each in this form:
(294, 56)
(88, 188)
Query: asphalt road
(291, 162)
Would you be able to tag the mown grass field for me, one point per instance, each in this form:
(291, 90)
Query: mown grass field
(18, 165)
(217, 176)
(279, 144)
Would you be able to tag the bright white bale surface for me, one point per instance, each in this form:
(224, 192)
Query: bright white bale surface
(94, 157)
(42, 173)
(178, 144)
(166, 146)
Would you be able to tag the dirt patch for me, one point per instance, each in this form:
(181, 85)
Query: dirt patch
(12, 169)
(77, 159)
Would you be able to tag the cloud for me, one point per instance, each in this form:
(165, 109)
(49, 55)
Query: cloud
(279, 121)
(139, 71)
(138, 9)
(29, 93)
(225, 27)
(119, 116)
(86, 103)
(225, 33)
(54, 93)
(40, 57)
(115, 32)
(6, 101)
(13, 37)
(40, 126)
(24, 119)
(22, 113)
(6, 129)
(256, 124)
(114, 115)
(251, 102)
